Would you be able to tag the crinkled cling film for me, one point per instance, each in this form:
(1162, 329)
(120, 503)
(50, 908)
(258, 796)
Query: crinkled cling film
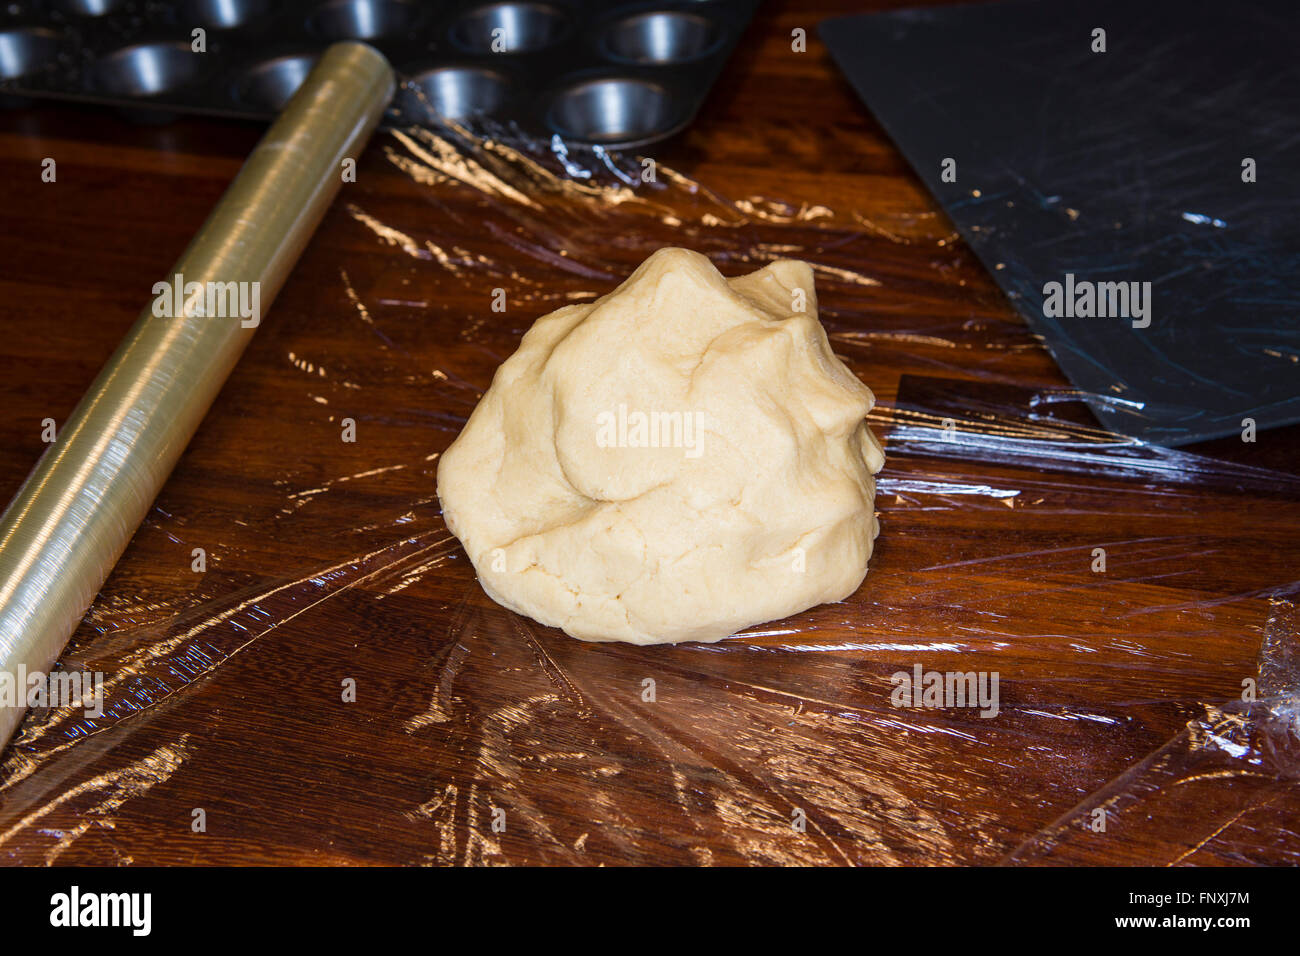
(1132, 602)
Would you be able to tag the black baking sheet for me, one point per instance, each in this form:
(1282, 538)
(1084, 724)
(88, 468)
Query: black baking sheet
(1122, 166)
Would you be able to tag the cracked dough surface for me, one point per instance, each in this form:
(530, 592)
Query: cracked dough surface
(676, 461)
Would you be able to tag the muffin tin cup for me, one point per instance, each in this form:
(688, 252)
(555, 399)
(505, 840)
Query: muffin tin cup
(613, 110)
(145, 71)
(367, 20)
(457, 92)
(270, 83)
(495, 29)
(25, 51)
(220, 14)
(612, 74)
(660, 37)
(87, 8)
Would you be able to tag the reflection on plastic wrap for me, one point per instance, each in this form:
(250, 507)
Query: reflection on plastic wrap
(1128, 605)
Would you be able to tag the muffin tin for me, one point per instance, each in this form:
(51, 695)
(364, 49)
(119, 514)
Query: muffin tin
(613, 74)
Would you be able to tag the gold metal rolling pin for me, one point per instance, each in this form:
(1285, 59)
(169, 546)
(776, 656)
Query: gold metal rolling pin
(73, 517)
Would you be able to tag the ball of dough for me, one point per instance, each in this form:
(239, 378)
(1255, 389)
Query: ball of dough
(676, 461)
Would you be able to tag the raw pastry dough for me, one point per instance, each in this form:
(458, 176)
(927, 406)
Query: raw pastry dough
(676, 461)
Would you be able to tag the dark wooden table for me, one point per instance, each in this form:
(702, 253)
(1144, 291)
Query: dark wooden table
(327, 562)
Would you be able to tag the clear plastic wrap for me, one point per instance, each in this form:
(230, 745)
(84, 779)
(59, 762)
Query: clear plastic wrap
(1147, 711)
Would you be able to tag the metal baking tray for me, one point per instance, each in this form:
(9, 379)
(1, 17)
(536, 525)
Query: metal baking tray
(613, 74)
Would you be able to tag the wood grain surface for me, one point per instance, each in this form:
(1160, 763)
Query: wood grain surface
(327, 561)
